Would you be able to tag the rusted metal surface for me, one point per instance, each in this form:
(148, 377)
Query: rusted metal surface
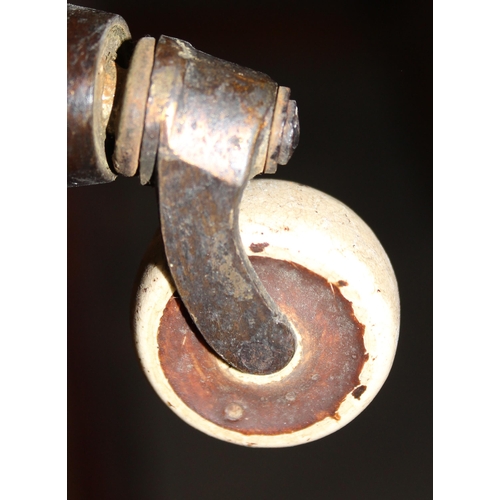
(208, 126)
(332, 357)
(166, 84)
(133, 109)
(93, 40)
(217, 141)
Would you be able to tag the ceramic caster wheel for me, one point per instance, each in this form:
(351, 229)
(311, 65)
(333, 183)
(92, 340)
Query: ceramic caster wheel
(329, 274)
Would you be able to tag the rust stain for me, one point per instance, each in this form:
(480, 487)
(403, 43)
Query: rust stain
(333, 357)
(342, 283)
(359, 391)
(258, 247)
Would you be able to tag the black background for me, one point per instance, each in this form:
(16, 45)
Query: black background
(361, 73)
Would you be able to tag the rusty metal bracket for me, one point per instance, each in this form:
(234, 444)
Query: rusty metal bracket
(214, 135)
(199, 128)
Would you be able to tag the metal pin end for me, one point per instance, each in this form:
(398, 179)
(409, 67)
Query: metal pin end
(285, 132)
(291, 134)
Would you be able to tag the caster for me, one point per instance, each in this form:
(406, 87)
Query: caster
(297, 339)
(329, 275)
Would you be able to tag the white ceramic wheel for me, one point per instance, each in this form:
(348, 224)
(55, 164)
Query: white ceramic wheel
(330, 275)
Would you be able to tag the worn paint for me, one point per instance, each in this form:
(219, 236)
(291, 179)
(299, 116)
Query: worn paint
(333, 355)
(258, 247)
